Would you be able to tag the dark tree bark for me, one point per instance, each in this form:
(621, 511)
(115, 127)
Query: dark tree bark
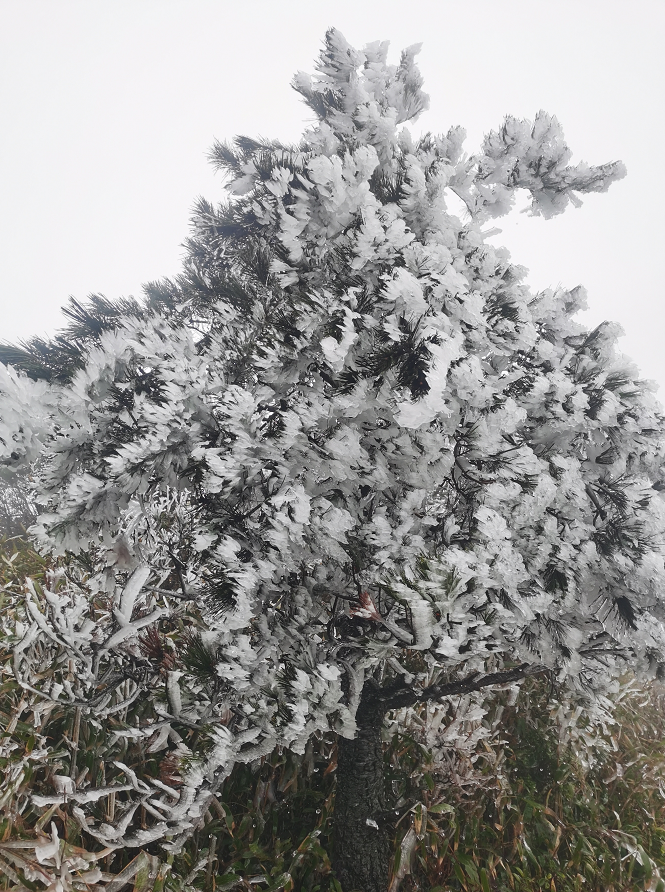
(361, 833)
(361, 853)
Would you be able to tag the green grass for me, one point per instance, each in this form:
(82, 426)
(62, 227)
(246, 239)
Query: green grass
(556, 827)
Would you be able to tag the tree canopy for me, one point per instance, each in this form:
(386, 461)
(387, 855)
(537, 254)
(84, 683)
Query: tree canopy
(345, 446)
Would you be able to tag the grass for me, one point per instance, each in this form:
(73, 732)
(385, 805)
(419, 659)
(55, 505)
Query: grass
(556, 827)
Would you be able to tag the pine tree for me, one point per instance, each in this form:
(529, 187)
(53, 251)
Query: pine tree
(346, 459)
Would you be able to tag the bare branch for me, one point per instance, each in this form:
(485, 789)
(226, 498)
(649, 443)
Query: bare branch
(404, 695)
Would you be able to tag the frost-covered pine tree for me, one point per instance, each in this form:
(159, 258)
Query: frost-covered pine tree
(347, 454)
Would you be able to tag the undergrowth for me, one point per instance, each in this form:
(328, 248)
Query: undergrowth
(549, 826)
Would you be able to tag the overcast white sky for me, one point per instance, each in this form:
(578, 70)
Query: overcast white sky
(108, 108)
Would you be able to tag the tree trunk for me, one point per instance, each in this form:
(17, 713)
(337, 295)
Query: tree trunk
(361, 853)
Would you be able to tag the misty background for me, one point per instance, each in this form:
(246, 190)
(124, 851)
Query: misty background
(110, 106)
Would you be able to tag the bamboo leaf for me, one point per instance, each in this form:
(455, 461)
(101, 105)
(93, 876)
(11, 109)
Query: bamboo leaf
(441, 809)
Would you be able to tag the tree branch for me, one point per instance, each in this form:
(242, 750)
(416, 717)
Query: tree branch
(404, 695)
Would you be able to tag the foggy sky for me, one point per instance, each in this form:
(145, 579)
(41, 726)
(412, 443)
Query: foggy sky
(109, 107)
